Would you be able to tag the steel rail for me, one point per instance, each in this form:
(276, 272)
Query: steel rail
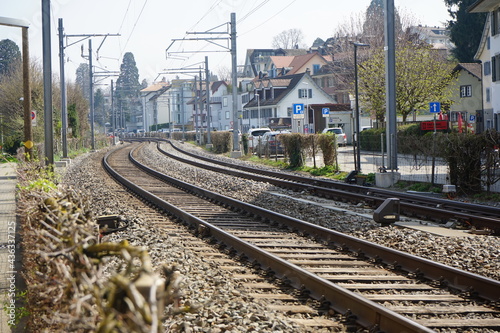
(340, 298)
(438, 209)
(368, 313)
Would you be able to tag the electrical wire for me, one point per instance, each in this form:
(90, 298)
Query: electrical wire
(252, 11)
(135, 24)
(268, 19)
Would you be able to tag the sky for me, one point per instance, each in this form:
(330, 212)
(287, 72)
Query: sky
(147, 27)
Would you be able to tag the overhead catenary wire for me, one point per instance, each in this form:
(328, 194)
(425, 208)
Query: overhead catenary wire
(135, 24)
(279, 12)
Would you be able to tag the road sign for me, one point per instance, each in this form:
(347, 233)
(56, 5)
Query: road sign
(325, 112)
(298, 111)
(472, 118)
(435, 107)
(33, 118)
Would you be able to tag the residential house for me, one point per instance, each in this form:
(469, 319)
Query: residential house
(467, 94)
(488, 54)
(257, 60)
(278, 103)
(438, 37)
(155, 105)
(180, 93)
(219, 103)
(288, 65)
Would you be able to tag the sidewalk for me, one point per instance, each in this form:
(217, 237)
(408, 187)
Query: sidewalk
(9, 248)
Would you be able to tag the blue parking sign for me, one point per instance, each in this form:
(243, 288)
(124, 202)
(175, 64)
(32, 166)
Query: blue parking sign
(298, 111)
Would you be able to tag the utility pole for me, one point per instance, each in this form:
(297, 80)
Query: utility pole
(61, 60)
(232, 39)
(390, 79)
(236, 144)
(113, 120)
(91, 82)
(209, 115)
(64, 110)
(47, 84)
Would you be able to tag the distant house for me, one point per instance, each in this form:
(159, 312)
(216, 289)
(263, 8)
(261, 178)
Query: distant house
(288, 65)
(467, 93)
(154, 105)
(488, 54)
(257, 60)
(272, 104)
(438, 37)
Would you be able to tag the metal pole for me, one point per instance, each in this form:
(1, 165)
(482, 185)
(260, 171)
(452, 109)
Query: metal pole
(183, 110)
(258, 110)
(28, 130)
(47, 84)
(236, 146)
(207, 83)
(91, 79)
(113, 119)
(390, 81)
(196, 106)
(200, 108)
(64, 110)
(358, 154)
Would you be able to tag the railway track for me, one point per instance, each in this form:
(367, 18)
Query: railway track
(377, 287)
(424, 207)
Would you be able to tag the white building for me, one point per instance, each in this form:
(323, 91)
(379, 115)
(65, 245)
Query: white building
(489, 55)
(155, 105)
(272, 104)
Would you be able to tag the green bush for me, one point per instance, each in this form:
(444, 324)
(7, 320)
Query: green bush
(294, 146)
(221, 141)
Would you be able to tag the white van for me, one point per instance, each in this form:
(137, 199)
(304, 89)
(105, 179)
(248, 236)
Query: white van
(339, 133)
(254, 134)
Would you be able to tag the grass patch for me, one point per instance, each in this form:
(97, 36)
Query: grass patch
(6, 158)
(418, 187)
(493, 197)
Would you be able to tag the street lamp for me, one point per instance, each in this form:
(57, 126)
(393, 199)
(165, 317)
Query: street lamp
(258, 109)
(357, 146)
(306, 117)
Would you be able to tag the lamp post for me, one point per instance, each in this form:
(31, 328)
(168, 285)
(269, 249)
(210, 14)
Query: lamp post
(357, 146)
(258, 110)
(306, 117)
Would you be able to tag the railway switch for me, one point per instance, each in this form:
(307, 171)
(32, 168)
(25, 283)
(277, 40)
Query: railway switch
(387, 212)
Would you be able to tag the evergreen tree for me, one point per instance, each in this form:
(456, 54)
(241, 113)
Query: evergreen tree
(83, 79)
(127, 90)
(465, 29)
(9, 56)
(100, 114)
(128, 84)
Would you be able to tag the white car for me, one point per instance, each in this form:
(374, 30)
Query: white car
(339, 133)
(255, 135)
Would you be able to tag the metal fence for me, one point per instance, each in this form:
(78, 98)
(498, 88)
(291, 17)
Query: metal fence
(414, 168)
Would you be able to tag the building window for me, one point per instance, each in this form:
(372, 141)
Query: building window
(465, 91)
(495, 68)
(305, 93)
(488, 95)
(224, 101)
(495, 22)
(487, 68)
(316, 68)
(227, 114)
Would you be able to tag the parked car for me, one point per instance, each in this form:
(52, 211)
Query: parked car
(269, 144)
(339, 133)
(254, 136)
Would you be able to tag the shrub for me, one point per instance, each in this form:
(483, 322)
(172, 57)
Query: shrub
(294, 146)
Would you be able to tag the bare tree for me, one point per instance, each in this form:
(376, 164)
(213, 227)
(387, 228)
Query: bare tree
(289, 39)
(224, 73)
